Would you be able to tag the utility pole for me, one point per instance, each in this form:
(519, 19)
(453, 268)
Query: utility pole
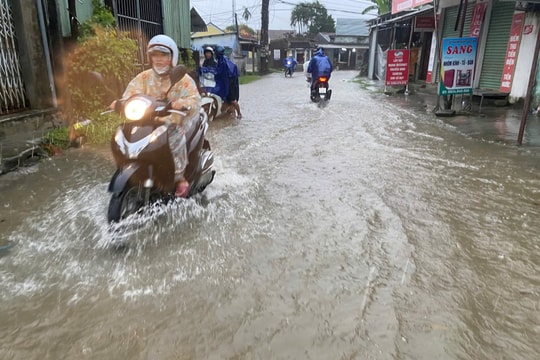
(234, 13)
(264, 36)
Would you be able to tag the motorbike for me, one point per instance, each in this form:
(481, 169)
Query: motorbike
(320, 91)
(289, 69)
(145, 167)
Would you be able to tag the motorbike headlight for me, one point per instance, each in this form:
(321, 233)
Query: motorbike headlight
(136, 108)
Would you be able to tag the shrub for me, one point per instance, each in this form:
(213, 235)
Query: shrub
(112, 54)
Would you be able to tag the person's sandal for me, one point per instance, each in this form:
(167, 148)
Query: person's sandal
(182, 189)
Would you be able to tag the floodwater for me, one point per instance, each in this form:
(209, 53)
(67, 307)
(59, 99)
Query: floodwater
(365, 229)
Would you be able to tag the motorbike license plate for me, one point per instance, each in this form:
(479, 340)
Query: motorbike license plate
(322, 90)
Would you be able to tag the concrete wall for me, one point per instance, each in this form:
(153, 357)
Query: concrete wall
(32, 55)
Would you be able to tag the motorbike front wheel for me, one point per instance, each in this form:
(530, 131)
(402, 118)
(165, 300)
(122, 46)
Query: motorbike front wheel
(211, 109)
(124, 203)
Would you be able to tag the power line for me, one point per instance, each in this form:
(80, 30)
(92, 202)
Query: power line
(329, 9)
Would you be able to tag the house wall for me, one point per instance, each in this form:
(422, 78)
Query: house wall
(36, 66)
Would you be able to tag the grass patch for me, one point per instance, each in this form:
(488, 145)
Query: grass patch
(366, 84)
(101, 128)
(56, 139)
(98, 132)
(248, 78)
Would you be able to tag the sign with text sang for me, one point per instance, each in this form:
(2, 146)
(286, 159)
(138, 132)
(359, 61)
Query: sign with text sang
(397, 67)
(512, 51)
(458, 56)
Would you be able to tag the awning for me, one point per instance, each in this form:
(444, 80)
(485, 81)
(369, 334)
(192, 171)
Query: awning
(424, 9)
(346, 46)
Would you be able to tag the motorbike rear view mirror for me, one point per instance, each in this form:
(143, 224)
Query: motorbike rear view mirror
(96, 78)
(177, 73)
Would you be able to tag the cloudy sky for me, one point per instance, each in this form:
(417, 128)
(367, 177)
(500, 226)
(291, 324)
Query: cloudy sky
(220, 12)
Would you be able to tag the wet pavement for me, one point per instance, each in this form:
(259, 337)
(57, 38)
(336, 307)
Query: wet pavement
(365, 229)
(19, 143)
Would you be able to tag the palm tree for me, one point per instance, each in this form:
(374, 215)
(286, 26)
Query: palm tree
(382, 7)
(300, 17)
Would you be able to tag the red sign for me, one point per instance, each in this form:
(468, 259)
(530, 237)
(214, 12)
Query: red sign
(397, 67)
(528, 29)
(402, 5)
(424, 23)
(477, 18)
(512, 51)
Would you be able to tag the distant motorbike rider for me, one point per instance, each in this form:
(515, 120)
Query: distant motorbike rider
(319, 65)
(163, 56)
(290, 62)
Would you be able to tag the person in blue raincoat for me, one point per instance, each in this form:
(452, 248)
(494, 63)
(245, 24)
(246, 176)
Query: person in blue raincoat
(290, 62)
(232, 75)
(319, 65)
(214, 79)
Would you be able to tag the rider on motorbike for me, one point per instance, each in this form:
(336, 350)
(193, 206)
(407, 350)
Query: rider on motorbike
(319, 65)
(290, 62)
(163, 56)
(232, 73)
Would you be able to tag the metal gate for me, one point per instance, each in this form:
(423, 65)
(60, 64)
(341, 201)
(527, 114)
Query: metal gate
(142, 19)
(497, 41)
(12, 94)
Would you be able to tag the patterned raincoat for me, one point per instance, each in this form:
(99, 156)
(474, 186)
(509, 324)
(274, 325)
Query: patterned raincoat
(183, 93)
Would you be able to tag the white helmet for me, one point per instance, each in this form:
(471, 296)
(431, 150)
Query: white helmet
(164, 44)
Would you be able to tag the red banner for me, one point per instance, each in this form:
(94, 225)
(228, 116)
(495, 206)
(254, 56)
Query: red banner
(477, 18)
(397, 67)
(512, 51)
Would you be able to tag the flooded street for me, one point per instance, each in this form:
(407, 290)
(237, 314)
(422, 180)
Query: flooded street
(367, 229)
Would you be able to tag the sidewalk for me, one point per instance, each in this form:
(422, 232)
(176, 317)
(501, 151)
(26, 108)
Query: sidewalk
(20, 139)
(493, 122)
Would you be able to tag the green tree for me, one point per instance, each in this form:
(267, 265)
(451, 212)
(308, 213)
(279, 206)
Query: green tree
(382, 7)
(109, 52)
(312, 18)
(242, 29)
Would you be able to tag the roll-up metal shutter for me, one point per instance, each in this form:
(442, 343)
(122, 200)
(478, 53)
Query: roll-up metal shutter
(496, 43)
(450, 15)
